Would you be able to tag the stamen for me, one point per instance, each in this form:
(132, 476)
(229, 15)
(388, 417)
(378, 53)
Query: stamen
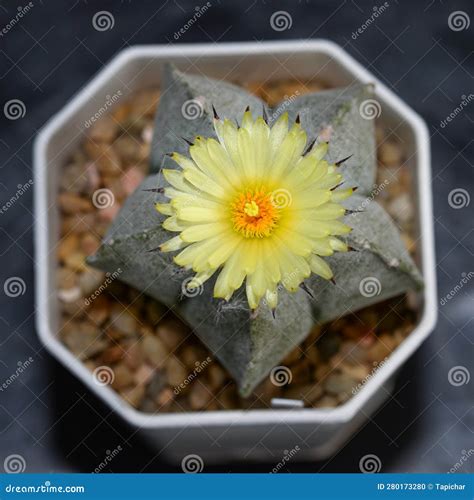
(253, 214)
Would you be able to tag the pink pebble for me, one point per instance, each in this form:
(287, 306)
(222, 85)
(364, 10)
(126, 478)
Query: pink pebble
(131, 179)
(367, 340)
(326, 133)
(108, 214)
(93, 177)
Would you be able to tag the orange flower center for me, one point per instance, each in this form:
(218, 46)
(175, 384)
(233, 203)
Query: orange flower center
(253, 214)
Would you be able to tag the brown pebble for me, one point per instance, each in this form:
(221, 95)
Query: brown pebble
(147, 405)
(401, 208)
(339, 383)
(356, 372)
(67, 245)
(292, 357)
(73, 179)
(121, 319)
(78, 223)
(199, 396)
(76, 261)
(190, 355)
(268, 390)
(83, 339)
(90, 280)
(143, 375)
(89, 243)
(171, 332)
(156, 385)
(165, 398)
(155, 311)
(66, 278)
(107, 160)
(123, 377)
(390, 153)
(227, 398)
(112, 354)
(322, 370)
(127, 148)
(326, 402)
(176, 373)
(380, 350)
(134, 395)
(104, 130)
(69, 295)
(98, 309)
(75, 308)
(71, 203)
(352, 353)
(216, 375)
(312, 353)
(134, 355)
(154, 351)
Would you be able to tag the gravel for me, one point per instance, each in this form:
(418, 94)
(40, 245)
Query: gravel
(159, 365)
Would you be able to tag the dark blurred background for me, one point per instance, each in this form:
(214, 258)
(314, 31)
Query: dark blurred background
(46, 415)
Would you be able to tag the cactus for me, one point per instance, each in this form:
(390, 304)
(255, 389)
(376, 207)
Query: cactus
(252, 317)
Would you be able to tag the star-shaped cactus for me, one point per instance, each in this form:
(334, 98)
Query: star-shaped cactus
(371, 263)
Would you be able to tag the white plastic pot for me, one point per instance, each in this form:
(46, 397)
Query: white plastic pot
(222, 435)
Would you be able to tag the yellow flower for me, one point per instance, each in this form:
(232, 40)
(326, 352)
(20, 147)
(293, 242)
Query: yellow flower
(255, 206)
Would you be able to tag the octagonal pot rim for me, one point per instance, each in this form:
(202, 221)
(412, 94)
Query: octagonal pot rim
(341, 414)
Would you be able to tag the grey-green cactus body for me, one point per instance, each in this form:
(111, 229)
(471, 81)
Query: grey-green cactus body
(250, 344)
